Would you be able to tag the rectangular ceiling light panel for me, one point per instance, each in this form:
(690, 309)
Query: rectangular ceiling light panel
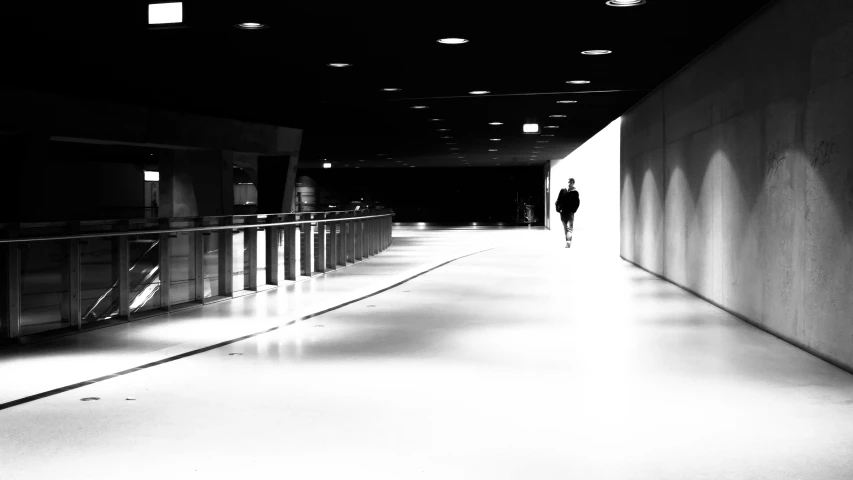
(165, 13)
(531, 128)
(151, 176)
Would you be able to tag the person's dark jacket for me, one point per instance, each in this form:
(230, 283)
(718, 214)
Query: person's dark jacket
(568, 201)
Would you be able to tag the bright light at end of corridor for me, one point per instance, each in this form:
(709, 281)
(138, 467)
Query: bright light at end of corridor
(327, 165)
(151, 176)
(162, 13)
(530, 128)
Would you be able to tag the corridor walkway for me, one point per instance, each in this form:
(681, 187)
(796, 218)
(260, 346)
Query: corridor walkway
(520, 359)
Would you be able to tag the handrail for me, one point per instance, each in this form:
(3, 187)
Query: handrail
(236, 226)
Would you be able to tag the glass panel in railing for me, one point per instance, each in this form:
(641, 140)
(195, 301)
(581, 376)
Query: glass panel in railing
(182, 265)
(44, 286)
(99, 289)
(237, 261)
(211, 264)
(144, 273)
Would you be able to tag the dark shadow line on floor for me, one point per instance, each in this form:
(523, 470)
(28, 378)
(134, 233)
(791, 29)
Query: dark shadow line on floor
(57, 391)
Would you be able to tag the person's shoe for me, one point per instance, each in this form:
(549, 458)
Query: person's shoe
(567, 245)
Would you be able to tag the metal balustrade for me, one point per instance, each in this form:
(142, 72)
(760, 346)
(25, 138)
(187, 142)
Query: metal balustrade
(61, 278)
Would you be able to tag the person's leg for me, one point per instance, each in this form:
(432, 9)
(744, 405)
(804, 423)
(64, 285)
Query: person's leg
(570, 226)
(563, 220)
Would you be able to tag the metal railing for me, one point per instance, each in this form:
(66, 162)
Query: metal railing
(60, 278)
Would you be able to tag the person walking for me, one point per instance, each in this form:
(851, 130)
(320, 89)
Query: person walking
(567, 204)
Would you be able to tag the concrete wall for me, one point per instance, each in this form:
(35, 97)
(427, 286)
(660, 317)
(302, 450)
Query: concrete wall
(595, 168)
(737, 176)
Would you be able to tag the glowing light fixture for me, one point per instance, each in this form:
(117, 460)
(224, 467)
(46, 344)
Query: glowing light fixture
(419, 107)
(557, 116)
(578, 82)
(567, 101)
(452, 41)
(530, 128)
(493, 149)
(442, 129)
(496, 123)
(446, 137)
(251, 26)
(495, 139)
(327, 165)
(434, 119)
(552, 126)
(596, 52)
(625, 3)
(339, 65)
(479, 92)
(164, 13)
(151, 176)
(390, 89)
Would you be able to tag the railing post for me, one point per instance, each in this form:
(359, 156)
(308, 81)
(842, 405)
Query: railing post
(272, 252)
(333, 242)
(12, 304)
(290, 272)
(74, 289)
(123, 272)
(358, 244)
(165, 270)
(226, 259)
(307, 251)
(320, 253)
(250, 240)
(198, 252)
(346, 239)
(353, 224)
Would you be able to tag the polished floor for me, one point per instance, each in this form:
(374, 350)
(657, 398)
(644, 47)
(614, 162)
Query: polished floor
(520, 359)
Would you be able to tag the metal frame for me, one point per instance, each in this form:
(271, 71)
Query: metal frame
(342, 238)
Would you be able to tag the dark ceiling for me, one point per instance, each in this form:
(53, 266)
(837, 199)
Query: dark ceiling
(524, 55)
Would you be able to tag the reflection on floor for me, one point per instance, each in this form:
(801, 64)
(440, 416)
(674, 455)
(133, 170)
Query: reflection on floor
(526, 360)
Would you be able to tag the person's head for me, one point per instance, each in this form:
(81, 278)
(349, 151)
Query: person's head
(571, 182)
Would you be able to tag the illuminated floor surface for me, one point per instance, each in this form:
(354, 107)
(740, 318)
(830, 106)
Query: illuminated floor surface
(526, 361)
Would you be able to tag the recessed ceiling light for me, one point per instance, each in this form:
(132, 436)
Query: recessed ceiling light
(452, 41)
(443, 129)
(495, 158)
(493, 149)
(251, 26)
(548, 135)
(557, 116)
(160, 13)
(625, 3)
(339, 65)
(390, 89)
(530, 128)
(495, 139)
(434, 119)
(567, 101)
(596, 52)
(327, 165)
(496, 123)
(552, 126)
(454, 148)
(542, 141)
(578, 82)
(419, 107)
(446, 137)
(478, 92)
